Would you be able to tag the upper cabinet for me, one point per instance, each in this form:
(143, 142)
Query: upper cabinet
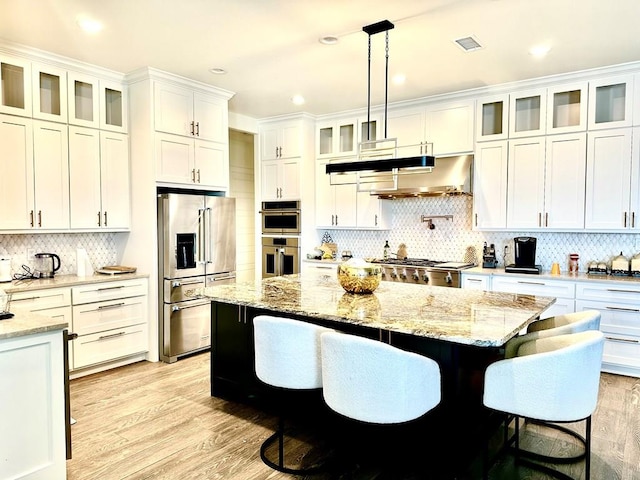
(567, 108)
(280, 140)
(610, 102)
(96, 103)
(490, 185)
(183, 111)
(448, 126)
(15, 86)
(49, 86)
(335, 138)
(527, 113)
(492, 115)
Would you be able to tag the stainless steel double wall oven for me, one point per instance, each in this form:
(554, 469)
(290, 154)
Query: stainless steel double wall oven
(281, 229)
(197, 248)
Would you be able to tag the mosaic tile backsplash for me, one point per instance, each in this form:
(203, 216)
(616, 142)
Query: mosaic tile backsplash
(101, 249)
(449, 240)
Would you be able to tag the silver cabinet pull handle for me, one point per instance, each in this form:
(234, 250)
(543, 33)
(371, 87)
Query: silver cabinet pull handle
(113, 335)
(620, 290)
(197, 129)
(531, 283)
(39, 218)
(623, 309)
(14, 300)
(474, 280)
(623, 340)
(31, 218)
(105, 219)
(99, 219)
(110, 288)
(106, 307)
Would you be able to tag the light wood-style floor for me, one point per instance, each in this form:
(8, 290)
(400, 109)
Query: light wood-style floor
(158, 421)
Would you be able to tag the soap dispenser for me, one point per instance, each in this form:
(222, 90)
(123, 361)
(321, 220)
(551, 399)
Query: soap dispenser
(385, 252)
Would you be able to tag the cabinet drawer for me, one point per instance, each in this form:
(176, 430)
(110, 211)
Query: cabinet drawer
(608, 292)
(548, 288)
(96, 317)
(476, 282)
(621, 350)
(618, 318)
(110, 345)
(35, 300)
(97, 292)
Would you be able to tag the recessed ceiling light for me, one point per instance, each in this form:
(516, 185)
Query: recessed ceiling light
(328, 40)
(468, 44)
(89, 25)
(297, 99)
(217, 71)
(539, 50)
(399, 79)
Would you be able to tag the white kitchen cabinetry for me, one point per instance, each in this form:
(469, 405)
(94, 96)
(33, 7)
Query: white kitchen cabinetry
(181, 111)
(335, 138)
(564, 291)
(490, 185)
(449, 126)
(34, 180)
(567, 108)
(609, 180)
(475, 282)
(610, 102)
(191, 161)
(527, 113)
(546, 182)
(96, 103)
(371, 212)
(619, 306)
(111, 321)
(335, 204)
(281, 179)
(49, 93)
(15, 86)
(492, 114)
(99, 179)
(32, 407)
(280, 140)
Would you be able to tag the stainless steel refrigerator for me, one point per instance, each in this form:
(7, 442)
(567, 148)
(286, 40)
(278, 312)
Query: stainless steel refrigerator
(197, 248)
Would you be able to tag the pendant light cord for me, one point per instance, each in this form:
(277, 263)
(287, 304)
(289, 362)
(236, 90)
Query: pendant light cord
(386, 81)
(369, 89)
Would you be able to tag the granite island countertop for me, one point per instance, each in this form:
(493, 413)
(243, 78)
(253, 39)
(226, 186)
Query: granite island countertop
(469, 317)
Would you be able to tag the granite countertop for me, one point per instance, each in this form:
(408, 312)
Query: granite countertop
(469, 317)
(546, 275)
(64, 281)
(26, 323)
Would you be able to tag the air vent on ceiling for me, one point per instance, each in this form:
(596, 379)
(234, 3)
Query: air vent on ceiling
(468, 44)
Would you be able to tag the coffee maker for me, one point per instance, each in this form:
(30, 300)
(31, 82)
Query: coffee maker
(524, 256)
(489, 259)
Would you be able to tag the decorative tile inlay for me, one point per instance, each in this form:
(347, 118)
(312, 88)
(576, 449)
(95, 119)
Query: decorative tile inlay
(449, 239)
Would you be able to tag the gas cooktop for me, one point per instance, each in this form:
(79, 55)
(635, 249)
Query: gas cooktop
(423, 262)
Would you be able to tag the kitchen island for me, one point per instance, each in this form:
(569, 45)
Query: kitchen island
(32, 404)
(463, 330)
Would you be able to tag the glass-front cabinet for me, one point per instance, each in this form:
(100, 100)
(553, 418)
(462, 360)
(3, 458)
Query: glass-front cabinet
(610, 102)
(15, 86)
(567, 108)
(527, 113)
(96, 103)
(336, 138)
(49, 85)
(113, 107)
(492, 115)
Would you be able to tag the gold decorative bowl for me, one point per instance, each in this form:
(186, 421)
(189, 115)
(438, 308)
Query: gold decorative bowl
(359, 277)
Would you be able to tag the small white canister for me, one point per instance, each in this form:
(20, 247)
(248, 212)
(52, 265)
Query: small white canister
(5, 268)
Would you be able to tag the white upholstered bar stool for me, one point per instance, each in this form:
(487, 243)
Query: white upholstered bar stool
(554, 379)
(287, 356)
(373, 382)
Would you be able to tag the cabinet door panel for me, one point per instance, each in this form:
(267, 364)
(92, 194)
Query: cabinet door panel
(113, 106)
(211, 165)
(49, 93)
(210, 115)
(290, 181)
(84, 177)
(114, 177)
(525, 188)
(270, 180)
(408, 126)
(565, 171)
(490, 185)
(450, 128)
(83, 97)
(175, 159)
(16, 180)
(173, 109)
(15, 86)
(51, 174)
(290, 141)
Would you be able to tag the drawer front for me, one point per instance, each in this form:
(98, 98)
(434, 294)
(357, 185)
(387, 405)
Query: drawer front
(96, 317)
(547, 288)
(97, 292)
(617, 318)
(608, 292)
(621, 350)
(475, 282)
(110, 345)
(35, 300)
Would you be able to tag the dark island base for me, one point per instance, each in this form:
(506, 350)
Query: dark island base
(449, 439)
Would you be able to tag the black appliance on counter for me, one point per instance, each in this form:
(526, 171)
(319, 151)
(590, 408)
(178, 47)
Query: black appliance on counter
(524, 256)
(489, 259)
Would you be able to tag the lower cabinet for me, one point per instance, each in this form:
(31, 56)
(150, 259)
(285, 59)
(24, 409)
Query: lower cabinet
(564, 291)
(619, 306)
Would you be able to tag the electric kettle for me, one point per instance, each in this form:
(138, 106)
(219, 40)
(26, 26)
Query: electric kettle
(47, 264)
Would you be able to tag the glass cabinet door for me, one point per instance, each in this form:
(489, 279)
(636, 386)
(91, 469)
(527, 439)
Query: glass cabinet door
(49, 93)
(492, 115)
(567, 108)
(15, 86)
(83, 100)
(336, 138)
(113, 107)
(610, 102)
(527, 115)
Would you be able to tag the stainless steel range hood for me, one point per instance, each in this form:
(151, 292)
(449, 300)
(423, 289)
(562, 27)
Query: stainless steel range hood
(449, 176)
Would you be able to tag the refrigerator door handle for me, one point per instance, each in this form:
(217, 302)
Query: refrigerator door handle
(207, 236)
(201, 234)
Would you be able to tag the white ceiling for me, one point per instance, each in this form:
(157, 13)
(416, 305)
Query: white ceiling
(271, 51)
